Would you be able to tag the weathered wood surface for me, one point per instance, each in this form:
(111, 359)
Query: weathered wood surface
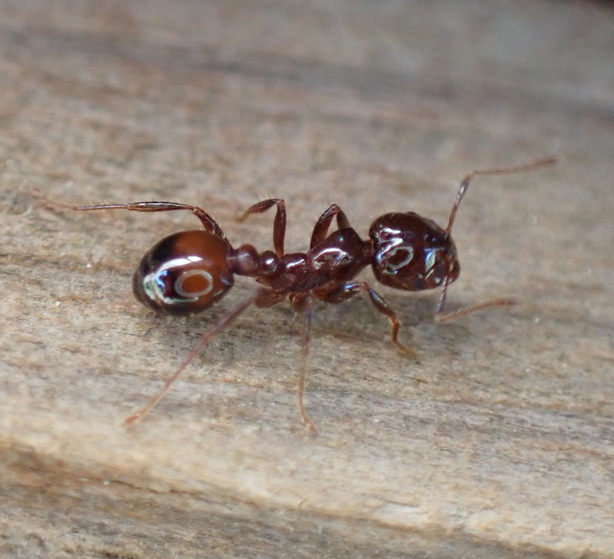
(498, 442)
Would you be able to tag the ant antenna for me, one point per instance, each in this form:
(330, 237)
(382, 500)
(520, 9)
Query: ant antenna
(440, 315)
(486, 172)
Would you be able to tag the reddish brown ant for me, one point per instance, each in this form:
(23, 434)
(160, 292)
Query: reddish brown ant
(189, 271)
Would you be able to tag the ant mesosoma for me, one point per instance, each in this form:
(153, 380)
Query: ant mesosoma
(189, 271)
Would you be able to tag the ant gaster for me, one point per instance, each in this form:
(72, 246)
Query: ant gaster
(189, 271)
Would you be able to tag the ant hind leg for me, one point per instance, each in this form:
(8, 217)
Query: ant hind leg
(214, 331)
(279, 225)
(208, 222)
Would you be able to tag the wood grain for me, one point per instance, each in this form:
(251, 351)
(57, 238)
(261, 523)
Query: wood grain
(497, 442)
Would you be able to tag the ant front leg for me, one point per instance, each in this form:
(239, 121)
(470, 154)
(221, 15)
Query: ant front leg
(279, 225)
(350, 289)
(320, 229)
(208, 222)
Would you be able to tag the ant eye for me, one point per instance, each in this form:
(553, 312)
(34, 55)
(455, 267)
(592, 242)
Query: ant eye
(184, 273)
(430, 260)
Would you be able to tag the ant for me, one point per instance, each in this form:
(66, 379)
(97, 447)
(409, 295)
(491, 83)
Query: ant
(187, 272)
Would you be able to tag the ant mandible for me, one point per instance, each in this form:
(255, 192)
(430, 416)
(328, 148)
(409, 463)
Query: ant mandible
(187, 272)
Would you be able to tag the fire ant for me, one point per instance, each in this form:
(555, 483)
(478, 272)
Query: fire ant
(189, 271)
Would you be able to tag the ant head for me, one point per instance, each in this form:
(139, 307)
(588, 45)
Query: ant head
(411, 252)
(184, 273)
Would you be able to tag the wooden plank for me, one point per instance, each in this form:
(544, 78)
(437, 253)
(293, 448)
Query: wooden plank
(497, 441)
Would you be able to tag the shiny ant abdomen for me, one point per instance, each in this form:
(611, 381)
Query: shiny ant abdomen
(189, 271)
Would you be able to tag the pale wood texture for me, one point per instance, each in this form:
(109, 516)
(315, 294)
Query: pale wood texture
(497, 442)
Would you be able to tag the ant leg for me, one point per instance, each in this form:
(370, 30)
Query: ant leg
(348, 290)
(216, 329)
(154, 206)
(320, 229)
(441, 316)
(303, 302)
(268, 298)
(305, 341)
(279, 225)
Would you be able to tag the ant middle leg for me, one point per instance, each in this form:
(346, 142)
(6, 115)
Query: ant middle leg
(279, 225)
(320, 229)
(305, 342)
(303, 303)
(350, 289)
